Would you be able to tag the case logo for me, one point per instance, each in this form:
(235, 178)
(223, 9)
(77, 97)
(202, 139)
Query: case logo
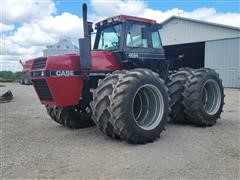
(65, 73)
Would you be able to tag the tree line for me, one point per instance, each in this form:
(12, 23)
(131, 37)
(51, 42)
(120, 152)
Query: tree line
(9, 76)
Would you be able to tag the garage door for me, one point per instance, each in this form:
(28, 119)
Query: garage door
(193, 54)
(224, 57)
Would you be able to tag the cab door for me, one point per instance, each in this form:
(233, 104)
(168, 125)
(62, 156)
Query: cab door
(143, 47)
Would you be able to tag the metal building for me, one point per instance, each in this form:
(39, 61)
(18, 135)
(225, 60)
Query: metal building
(205, 44)
(64, 46)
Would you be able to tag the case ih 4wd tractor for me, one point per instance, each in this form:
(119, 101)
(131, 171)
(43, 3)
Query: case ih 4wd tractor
(125, 84)
(26, 72)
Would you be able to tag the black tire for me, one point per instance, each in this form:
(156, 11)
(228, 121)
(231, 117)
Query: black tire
(25, 81)
(21, 82)
(176, 89)
(71, 117)
(51, 112)
(203, 97)
(101, 102)
(139, 86)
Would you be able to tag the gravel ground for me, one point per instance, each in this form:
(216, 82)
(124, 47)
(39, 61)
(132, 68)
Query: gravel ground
(35, 147)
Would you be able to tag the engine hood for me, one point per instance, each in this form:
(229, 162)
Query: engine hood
(58, 80)
(101, 61)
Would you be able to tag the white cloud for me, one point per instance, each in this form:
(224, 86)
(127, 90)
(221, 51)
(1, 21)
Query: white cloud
(25, 11)
(47, 31)
(38, 26)
(160, 16)
(104, 8)
(5, 27)
(14, 49)
(211, 15)
(30, 35)
(201, 13)
(30, 39)
(111, 8)
(66, 24)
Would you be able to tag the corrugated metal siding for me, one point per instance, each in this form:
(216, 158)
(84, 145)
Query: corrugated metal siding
(179, 31)
(224, 57)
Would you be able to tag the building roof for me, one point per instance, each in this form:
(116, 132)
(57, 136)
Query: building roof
(64, 43)
(200, 21)
(64, 46)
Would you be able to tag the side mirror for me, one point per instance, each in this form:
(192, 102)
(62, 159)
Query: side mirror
(90, 27)
(155, 27)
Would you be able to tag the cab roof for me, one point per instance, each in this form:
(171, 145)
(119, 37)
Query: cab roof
(123, 18)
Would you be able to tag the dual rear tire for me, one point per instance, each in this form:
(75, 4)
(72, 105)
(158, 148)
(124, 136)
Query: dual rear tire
(131, 105)
(176, 88)
(197, 96)
(203, 97)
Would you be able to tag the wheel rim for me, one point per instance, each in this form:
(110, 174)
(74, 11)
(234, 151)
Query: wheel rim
(148, 107)
(211, 97)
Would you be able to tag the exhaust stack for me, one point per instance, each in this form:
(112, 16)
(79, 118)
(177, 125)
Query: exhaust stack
(20, 61)
(85, 43)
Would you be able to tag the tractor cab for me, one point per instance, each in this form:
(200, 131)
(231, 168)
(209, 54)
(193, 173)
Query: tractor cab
(134, 41)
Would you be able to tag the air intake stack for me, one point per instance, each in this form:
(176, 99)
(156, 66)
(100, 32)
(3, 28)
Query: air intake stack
(85, 43)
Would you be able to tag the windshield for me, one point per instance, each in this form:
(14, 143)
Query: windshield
(109, 38)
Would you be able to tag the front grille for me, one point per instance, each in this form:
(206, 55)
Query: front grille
(39, 63)
(42, 89)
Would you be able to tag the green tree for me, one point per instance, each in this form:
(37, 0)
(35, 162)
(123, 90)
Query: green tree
(9, 76)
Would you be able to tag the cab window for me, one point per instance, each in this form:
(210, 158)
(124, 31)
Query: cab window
(109, 38)
(134, 36)
(156, 41)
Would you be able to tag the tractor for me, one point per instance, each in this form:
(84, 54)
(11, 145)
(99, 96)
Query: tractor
(125, 85)
(26, 74)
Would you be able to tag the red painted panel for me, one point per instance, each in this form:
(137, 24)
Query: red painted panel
(67, 90)
(123, 18)
(134, 18)
(101, 61)
(104, 60)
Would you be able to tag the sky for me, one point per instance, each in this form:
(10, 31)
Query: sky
(28, 26)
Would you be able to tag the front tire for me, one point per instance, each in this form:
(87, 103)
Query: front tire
(100, 104)
(21, 82)
(73, 117)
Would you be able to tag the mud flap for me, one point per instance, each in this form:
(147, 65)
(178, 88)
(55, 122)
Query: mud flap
(6, 97)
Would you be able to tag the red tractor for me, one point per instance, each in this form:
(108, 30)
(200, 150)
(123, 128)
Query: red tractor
(26, 72)
(125, 85)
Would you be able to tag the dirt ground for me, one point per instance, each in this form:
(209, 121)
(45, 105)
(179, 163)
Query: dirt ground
(35, 147)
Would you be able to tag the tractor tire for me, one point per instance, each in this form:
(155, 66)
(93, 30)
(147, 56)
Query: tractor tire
(139, 106)
(25, 81)
(101, 102)
(71, 117)
(176, 89)
(51, 112)
(203, 97)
